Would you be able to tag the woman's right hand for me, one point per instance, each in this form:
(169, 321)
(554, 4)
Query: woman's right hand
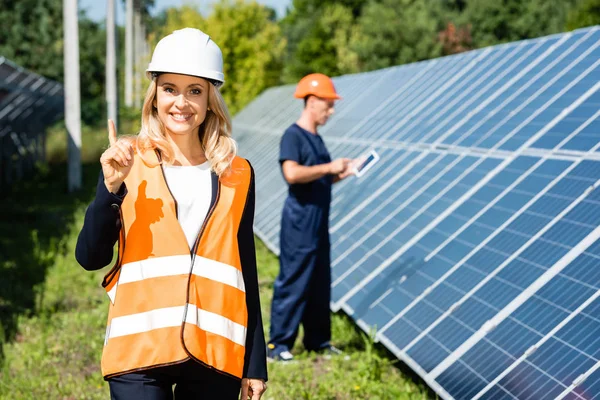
(116, 161)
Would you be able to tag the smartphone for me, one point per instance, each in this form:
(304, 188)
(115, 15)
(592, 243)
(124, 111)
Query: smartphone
(365, 163)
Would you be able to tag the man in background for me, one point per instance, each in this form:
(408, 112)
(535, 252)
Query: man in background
(302, 289)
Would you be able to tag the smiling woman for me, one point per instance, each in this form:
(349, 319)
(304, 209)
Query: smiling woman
(184, 306)
(186, 113)
(181, 102)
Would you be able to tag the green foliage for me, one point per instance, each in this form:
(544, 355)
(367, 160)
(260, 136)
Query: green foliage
(32, 241)
(92, 55)
(252, 48)
(585, 13)
(33, 39)
(30, 36)
(175, 18)
(353, 36)
(93, 142)
(58, 347)
(302, 7)
(55, 353)
(318, 34)
(499, 21)
(330, 36)
(380, 43)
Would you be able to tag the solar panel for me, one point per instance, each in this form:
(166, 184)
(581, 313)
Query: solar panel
(28, 104)
(471, 247)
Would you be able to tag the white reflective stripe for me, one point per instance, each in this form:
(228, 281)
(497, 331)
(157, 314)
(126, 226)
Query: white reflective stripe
(107, 334)
(146, 321)
(112, 293)
(180, 265)
(172, 317)
(217, 324)
(155, 267)
(218, 271)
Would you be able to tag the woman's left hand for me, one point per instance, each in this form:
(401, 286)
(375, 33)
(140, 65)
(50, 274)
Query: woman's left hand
(253, 388)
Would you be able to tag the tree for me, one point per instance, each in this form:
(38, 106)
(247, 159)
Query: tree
(253, 47)
(324, 45)
(92, 58)
(498, 21)
(32, 35)
(250, 40)
(33, 38)
(318, 34)
(392, 32)
(585, 13)
(172, 19)
(338, 23)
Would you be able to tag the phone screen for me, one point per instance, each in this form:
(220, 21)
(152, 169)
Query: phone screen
(368, 161)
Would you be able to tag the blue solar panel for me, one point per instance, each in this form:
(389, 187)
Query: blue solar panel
(512, 277)
(560, 308)
(471, 246)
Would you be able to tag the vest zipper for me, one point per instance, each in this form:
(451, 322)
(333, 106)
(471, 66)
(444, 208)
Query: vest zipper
(193, 255)
(208, 215)
(170, 192)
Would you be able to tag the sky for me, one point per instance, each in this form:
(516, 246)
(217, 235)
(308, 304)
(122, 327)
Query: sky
(96, 9)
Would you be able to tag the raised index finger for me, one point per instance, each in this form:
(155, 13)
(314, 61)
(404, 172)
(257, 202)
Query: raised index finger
(112, 132)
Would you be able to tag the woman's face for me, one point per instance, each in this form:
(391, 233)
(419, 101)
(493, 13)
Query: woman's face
(181, 102)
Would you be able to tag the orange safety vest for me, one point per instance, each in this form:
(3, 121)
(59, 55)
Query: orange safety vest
(169, 304)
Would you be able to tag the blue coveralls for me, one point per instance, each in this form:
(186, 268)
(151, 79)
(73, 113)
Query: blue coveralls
(302, 289)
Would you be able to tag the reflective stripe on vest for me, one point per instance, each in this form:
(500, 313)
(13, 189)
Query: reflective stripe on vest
(168, 303)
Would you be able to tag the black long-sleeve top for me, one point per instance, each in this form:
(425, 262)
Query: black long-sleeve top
(100, 232)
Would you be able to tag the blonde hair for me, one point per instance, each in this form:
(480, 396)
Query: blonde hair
(215, 132)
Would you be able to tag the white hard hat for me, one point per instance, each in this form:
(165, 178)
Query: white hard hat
(188, 51)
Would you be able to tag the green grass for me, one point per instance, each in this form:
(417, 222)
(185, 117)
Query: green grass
(53, 313)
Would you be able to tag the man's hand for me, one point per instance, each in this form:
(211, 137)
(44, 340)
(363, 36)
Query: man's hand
(347, 172)
(253, 388)
(338, 166)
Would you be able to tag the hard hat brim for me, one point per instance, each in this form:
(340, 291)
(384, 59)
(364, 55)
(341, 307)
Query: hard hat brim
(215, 81)
(301, 95)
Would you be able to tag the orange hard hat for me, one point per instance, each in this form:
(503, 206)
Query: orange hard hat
(318, 85)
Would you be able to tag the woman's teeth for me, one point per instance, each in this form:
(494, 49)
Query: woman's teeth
(181, 117)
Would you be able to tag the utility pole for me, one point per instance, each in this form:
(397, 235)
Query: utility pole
(72, 92)
(138, 55)
(129, 32)
(111, 62)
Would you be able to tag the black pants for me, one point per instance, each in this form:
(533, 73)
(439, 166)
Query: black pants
(301, 295)
(192, 381)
